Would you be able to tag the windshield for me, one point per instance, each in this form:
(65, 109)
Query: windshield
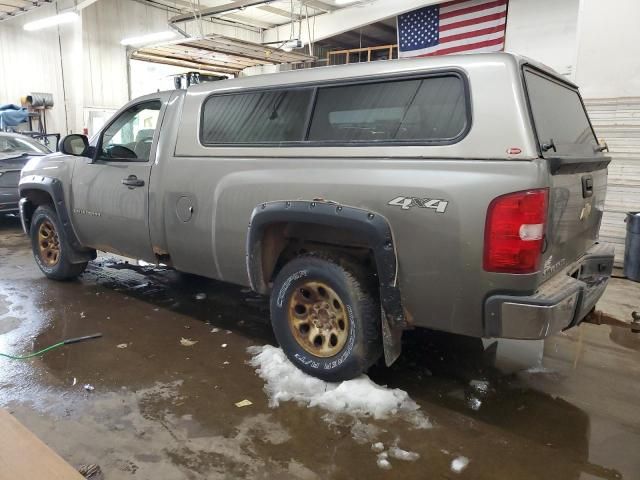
(560, 119)
(12, 146)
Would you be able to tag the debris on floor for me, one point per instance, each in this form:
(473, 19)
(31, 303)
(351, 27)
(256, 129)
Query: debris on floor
(92, 472)
(481, 386)
(187, 342)
(89, 388)
(243, 403)
(201, 296)
(122, 345)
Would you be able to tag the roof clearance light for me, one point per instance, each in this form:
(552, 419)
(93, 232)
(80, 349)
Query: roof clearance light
(150, 38)
(66, 17)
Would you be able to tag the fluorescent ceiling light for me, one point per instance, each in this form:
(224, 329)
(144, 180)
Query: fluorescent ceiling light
(66, 17)
(345, 2)
(150, 38)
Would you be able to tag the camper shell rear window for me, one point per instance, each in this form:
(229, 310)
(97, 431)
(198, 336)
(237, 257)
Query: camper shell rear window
(559, 117)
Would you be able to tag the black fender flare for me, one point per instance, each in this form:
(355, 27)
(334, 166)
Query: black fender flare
(53, 187)
(371, 225)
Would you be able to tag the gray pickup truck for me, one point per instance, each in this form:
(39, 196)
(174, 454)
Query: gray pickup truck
(457, 193)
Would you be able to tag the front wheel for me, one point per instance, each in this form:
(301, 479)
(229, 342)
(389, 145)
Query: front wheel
(326, 317)
(50, 247)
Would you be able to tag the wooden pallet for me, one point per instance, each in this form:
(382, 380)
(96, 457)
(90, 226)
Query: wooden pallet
(23, 456)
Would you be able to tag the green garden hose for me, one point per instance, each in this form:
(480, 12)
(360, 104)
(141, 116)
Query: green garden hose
(45, 350)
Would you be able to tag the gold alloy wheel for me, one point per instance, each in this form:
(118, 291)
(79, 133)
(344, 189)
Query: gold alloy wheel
(48, 244)
(318, 319)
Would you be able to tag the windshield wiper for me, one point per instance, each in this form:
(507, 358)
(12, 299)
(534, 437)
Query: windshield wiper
(13, 156)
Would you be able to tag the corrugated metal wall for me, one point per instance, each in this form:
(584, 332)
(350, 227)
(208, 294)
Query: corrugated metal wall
(617, 120)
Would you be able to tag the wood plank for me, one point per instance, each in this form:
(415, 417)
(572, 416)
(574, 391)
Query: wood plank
(23, 456)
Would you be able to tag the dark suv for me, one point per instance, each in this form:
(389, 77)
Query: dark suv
(15, 151)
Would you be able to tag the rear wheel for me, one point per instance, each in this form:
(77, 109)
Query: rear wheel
(50, 247)
(326, 317)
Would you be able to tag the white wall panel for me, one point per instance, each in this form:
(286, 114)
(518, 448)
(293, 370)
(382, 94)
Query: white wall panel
(545, 30)
(31, 61)
(608, 61)
(617, 121)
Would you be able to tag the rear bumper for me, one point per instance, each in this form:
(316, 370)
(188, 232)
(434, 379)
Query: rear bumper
(560, 303)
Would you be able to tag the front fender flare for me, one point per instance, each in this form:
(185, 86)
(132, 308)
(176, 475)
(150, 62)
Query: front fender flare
(53, 187)
(371, 225)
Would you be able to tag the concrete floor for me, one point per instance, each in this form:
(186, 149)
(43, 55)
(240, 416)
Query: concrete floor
(161, 410)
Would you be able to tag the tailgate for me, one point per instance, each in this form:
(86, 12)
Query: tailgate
(577, 168)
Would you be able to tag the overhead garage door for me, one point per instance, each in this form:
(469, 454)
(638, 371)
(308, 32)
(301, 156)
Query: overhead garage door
(617, 120)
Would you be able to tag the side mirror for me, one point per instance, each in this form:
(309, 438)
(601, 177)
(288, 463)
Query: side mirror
(74, 144)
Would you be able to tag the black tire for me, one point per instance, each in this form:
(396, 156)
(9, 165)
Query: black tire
(363, 344)
(62, 268)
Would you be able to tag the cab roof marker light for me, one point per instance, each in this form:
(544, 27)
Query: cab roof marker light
(66, 17)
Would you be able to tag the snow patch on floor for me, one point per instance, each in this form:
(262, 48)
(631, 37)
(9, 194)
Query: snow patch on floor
(400, 454)
(359, 397)
(459, 464)
(382, 461)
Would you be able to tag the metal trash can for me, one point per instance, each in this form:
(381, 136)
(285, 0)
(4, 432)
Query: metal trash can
(632, 247)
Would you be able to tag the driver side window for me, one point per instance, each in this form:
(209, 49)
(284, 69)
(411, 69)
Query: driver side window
(130, 136)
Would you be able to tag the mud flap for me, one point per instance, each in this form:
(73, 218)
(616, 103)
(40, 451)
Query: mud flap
(391, 338)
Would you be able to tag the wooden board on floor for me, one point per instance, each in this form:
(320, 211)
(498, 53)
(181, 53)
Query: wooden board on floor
(23, 456)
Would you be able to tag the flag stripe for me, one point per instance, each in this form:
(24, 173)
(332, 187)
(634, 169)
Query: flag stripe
(469, 41)
(460, 48)
(473, 33)
(465, 23)
(452, 7)
(453, 3)
(474, 15)
(454, 31)
(473, 9)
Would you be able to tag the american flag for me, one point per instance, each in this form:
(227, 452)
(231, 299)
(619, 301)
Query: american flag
(459, 26)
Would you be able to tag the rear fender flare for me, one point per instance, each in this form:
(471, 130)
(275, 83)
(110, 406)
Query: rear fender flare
(371, 225)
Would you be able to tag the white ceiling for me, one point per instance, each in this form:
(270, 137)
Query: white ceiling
(267, 15)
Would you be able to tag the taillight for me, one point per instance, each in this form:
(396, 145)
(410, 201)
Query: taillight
(514, 231)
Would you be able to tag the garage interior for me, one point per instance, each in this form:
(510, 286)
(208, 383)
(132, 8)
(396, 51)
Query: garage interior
(169, 390)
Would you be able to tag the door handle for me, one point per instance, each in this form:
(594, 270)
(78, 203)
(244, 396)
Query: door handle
(133, 181)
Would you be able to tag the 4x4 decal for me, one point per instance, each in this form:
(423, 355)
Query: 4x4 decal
(405, 203)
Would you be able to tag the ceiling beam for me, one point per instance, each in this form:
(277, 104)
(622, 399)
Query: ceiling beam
(247, 21)
(319, 5)
(348, 18)
(210, 11)
(281, 12)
